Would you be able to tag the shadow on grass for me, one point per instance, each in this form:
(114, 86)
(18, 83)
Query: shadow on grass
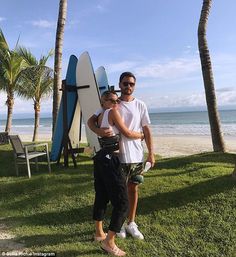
(81, 253)
(192, 163)
(6, 162)
(183, 196)
(59, 219)
(178, 162)
(8, 168)
(56, 218)
(28, 194)
(45, 240)
(54, 239)
(187, 170)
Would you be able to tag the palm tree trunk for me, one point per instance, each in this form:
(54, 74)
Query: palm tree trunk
(234, 172)
(58, 60)
(213, 114)
(10, 104)
(36, 120)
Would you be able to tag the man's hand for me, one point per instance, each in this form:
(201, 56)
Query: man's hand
(151, 159)
(149, 143)
(104, 132)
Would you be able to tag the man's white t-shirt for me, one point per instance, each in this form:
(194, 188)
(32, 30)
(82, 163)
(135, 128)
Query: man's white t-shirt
(135, 116)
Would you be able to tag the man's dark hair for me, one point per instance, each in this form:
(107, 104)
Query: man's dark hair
(127, 74)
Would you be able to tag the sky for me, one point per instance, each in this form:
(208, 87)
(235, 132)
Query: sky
(154, 39)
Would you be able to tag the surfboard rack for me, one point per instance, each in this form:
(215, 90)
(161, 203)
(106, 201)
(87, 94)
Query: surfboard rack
(67, 146)
(82, 87)
(112, 88)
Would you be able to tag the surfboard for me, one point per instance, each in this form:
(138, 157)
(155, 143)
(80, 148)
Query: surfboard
(75, 129)
(72, 114)
(88, 95)
(102, 80)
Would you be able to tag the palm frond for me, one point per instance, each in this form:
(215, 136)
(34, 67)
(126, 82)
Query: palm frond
(3, 42)
(45, 58)
(17, 42)
(27, 55)
(35, 82)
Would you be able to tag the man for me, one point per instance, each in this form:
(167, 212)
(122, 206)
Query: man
(135, 115)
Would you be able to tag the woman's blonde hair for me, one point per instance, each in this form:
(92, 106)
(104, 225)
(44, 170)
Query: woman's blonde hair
(106, 95)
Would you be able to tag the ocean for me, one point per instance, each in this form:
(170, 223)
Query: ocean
(166, 123)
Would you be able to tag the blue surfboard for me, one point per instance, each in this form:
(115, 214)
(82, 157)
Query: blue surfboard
(102, 80)
(57, 142)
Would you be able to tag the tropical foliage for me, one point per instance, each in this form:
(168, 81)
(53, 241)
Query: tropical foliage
(35, 82)
(11, 65)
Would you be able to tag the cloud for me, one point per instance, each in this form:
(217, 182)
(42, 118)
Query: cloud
(2, 19)
(176, 99)
(225, 89)
(29, 44)
(175, 82)
(121, 66)
(91, 44)
(187, 49)
(71, 24)
(226, 97)
(44, 24)
(163, 69)
(101, 7)
(175, 68)
(152, 100)
(24, 106)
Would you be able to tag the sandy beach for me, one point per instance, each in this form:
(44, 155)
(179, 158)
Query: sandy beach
(171, 145)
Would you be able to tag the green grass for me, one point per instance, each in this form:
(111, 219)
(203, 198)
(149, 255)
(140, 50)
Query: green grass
(187, 208)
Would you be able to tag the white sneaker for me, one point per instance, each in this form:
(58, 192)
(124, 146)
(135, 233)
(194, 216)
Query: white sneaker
(132, 229)
(122, 233)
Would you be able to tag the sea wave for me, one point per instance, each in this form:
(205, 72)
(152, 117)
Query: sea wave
(26, 126)
(157, 130)
(201, 130)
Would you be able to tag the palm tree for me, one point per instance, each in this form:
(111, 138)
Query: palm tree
(234, 172)
(58, 60)
(216, 133)
(11, 65)
(35, 82)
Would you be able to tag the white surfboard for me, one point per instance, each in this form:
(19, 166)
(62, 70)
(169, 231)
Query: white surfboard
(75, 130)
(88, 95)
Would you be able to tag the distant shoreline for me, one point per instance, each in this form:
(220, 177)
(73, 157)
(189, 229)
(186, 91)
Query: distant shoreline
(154, 110)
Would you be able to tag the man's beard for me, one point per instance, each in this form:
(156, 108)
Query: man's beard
(126, 92)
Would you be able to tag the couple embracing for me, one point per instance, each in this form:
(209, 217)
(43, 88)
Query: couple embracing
(121, 125)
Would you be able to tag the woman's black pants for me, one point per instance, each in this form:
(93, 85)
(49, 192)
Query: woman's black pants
(110, 185)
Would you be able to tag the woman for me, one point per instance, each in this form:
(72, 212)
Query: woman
(109, 183)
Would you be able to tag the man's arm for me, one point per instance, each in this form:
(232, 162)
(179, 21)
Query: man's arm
(149, 144)
(102, 132)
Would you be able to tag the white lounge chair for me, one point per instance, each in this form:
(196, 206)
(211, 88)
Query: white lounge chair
(27, 152)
